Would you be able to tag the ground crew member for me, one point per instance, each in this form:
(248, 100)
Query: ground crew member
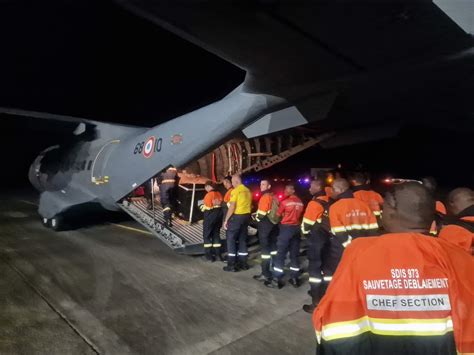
(349, 218)
(291, 210)
(168, 181)
(227, 182)
(212, 209)
(318, 233)
(364, 192)
(267, 227)
(236, 224)
(329, 182)
(148, 192)
(403, 292)
(430, 183)
(458, 228)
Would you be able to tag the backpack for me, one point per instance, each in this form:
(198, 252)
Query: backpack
(272, 214)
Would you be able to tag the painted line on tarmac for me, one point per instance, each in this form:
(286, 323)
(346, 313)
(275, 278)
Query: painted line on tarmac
(138, 230)
(56, 310)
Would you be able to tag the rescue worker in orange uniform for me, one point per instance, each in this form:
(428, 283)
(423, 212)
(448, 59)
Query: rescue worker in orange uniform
(349, 218)
(364, 192)
(430, 183)
(212, 209)
(227, 182)
(458, 228)
(267, 229)
(329, 182)
(318, 238)
(402, 293)
(291, 210)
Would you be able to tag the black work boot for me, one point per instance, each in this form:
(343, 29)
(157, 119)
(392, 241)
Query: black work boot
(309, 308)
(229, 268)
(260, 277)
(244, 266)
(208, 256)
(273, 283)
(295, 282)
(316, 295)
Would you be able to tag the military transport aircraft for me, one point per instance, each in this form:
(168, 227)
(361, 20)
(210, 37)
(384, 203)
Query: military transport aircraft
(354, 68)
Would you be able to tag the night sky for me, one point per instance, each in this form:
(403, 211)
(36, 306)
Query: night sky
(93, 59)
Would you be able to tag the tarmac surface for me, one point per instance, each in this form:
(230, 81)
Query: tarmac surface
(112, 288)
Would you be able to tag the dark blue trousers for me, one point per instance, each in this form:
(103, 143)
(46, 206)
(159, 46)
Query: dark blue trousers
(267, 236)
(288, 240)
(237, 231)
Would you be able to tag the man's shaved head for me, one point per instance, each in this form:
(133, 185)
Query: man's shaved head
(227, 181)
(459, 199)
(408, 207)
(236, 180)
(317, 185)
(339, 186)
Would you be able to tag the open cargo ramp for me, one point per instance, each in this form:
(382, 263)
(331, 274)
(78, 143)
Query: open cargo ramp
(182, 237)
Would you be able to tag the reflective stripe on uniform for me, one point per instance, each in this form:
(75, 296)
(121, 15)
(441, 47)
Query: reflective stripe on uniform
(327, 278)
(166, 181)
(347, 242)
(315, 280)
(339, 229)
(273, 252)
(263, 213)
(166, 209)
(308, 221)
(207, 245)
(277, 269)
(294, 268)
(218, 245)
(230, 254)
(266, 256)
(383, 326)
(206, 208)
(243, 254)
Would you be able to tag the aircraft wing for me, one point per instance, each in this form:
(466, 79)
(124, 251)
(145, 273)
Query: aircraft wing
(293, 42)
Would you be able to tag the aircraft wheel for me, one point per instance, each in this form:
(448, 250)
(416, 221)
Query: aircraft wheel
(56, 223)
(45, 222)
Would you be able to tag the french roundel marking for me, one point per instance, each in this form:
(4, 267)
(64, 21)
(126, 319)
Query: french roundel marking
(149, 147)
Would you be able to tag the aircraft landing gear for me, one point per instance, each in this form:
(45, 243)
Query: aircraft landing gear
(45, 222)
(56, 223)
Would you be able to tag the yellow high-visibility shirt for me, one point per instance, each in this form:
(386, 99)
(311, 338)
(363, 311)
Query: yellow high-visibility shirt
(242, 197)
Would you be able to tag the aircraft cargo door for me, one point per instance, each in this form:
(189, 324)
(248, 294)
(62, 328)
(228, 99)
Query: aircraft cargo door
(99, 174)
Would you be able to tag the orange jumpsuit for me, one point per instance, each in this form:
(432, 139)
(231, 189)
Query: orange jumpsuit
(399, 293)
(370, 197)
(461, 230)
